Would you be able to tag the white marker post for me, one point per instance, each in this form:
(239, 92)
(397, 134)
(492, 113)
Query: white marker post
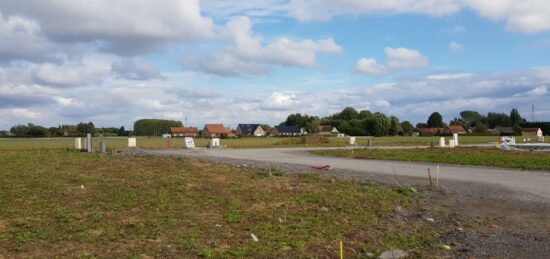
(352, 141)
(451, 143)
(189, 142)
(132, 142)
(78, 143)
(214, 143)
(442, 142)
(455, 137)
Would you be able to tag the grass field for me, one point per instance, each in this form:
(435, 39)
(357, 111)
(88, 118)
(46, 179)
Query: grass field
(464, 156)
(143, 207)
(157, 142)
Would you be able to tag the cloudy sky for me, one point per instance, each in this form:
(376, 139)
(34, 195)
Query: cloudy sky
(229, 61)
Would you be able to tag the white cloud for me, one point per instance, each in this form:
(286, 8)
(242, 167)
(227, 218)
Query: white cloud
(134, 69)
(369, 66)
(529, 16)
(81, 72)
(398, 59)
(280, 101)
(125, 27)
(537, 91)
(455, 46)
(319, 10)
(249, 54)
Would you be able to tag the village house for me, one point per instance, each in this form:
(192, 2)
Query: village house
(290, 131)
(429, 131)
(502, 131)
(458, 129)
(531, 132)
(326, 130)
(250, 130)
(216, 131)
(184, 132)
(272, 132)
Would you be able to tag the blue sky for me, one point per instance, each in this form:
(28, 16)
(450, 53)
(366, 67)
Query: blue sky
(231, 62)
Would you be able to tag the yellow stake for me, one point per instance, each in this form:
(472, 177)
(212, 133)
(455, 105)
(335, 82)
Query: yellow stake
(341, 249)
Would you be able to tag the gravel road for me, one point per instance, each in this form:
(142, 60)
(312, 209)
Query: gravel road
(521, 184)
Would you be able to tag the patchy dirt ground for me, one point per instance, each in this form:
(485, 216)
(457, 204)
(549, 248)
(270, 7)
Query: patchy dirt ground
(477, 221)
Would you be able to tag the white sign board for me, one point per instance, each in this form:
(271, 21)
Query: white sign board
(352, 140)
(189, 142)
(340, 135)
(165, 136)
(215, 142)
(132, 142)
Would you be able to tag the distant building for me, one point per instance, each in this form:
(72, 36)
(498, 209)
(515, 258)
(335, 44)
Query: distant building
(184, 132)
(272, 132)
(531, 132)
(502, 131)
(215, 131)
(5, 133)
(458, 129)
(429, 131)
(247, 130)
(326, 130)
(290, 131)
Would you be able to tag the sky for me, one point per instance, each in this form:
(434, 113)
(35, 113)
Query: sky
(229, 61)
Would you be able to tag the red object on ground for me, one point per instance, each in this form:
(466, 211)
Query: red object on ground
(327, 167)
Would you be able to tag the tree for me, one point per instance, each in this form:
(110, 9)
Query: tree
(395, 127)
(347, 114)
(498, 120)
(84, 128)
(435, 121)
(515, 117)
(407, 127)
(421, 125)
(122, 131)
(470, 118)
(378, 125)
(480, 128)
(154, 127)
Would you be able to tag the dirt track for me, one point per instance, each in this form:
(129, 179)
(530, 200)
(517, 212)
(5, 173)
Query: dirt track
(496, 213)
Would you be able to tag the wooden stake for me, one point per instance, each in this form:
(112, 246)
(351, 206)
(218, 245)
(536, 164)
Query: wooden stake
(437, 177)
(430, 176)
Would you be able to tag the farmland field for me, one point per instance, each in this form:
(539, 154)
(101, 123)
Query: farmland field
(63, 203)
(157, 142)
(463, 156)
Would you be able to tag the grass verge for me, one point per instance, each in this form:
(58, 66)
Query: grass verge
(463, 156)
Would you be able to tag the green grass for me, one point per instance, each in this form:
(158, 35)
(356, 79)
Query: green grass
(464, 156)
(179, 208)
(157, 142)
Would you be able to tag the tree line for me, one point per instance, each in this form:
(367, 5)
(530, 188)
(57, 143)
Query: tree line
(79, 130)
(364, 122)
(154, 127)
